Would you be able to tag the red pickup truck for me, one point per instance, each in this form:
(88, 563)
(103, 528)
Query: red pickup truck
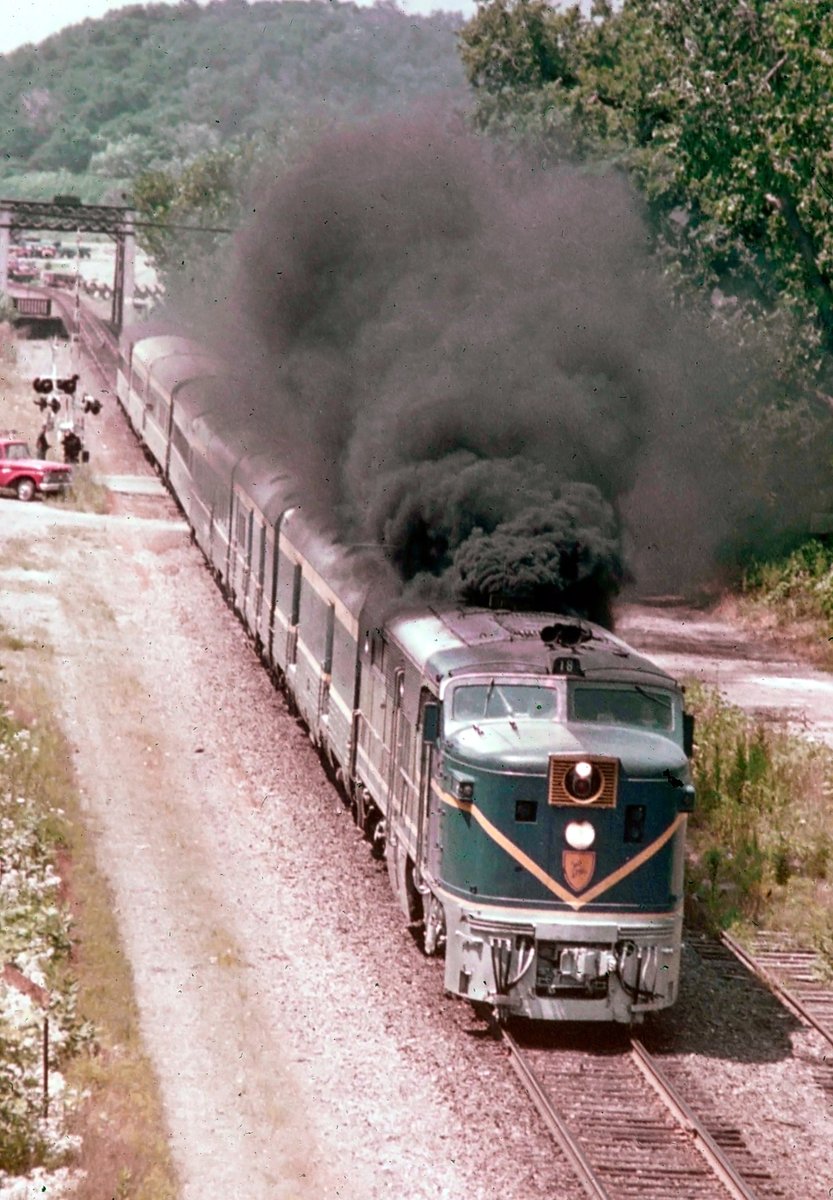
(27, 476)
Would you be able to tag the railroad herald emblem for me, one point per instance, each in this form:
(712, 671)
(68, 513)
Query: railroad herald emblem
(579, 866)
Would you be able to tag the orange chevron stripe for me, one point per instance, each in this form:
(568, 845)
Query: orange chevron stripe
(540, 874)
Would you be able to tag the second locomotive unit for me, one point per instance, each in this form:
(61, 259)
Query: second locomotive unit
(525, 775)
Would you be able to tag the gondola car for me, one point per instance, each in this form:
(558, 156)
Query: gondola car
(524, 774)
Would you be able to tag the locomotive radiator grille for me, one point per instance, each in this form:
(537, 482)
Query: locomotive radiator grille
(562, 764)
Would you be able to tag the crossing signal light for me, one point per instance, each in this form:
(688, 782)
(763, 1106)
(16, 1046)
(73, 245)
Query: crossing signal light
(55, 404)
(68, 385)
(42, 386)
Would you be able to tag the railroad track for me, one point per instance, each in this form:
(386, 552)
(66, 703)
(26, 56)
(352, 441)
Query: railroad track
(791, 973)
(794, 974)
(100, 343)
(628, 1132)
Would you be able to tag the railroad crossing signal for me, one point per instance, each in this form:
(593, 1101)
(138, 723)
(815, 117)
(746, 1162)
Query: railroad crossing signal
(46, 384)
(48, 387)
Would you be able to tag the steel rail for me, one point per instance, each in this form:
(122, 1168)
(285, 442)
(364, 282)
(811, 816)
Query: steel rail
(554, 1123)
(90, 324)
(789, 998)
(698, 1136)
(685, 1116)
(91, 329)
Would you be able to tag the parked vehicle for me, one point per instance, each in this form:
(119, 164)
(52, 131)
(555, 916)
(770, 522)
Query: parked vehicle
(27, 476)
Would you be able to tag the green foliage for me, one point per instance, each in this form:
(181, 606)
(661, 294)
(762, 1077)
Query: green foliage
(720, 111)
(43, 185)
(148, 87)
(35, 939)
(759, 836)
(173, 105)
(205, 192)
(797, 587)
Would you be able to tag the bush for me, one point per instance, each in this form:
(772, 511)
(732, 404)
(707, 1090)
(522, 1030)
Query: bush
(760, 847)
(799, 586)
(35, 946)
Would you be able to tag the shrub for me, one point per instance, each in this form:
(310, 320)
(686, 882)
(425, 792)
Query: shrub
(760, 847)
(35, 946)
(797, 587)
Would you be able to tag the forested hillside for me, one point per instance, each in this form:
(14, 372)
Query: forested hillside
(148, 86)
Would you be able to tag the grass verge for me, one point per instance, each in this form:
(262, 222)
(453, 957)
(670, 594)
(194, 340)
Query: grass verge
(106, 1122)
(760, 840)
(793, 597)
(85, 495)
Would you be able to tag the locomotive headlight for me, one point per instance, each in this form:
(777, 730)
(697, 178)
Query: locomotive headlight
(583, 782)
(580, 835)
(464, 790)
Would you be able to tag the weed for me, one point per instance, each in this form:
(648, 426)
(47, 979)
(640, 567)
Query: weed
(759, 841)
(9, 642)
(795, 595)
(112, 1128)
(85, 495)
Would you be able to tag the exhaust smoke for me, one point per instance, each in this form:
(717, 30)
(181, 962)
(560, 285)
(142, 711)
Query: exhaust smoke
(477, 365)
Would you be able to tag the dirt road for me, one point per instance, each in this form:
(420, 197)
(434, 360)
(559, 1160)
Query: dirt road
(283, 1052)
(755, 674)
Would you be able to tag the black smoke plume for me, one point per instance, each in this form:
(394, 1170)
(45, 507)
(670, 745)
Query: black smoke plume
(477, 365)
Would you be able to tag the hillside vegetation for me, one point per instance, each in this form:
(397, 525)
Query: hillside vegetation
(719, 112)
(148, 86)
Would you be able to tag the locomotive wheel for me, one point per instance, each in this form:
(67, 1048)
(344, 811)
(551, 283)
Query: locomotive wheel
(25, 489)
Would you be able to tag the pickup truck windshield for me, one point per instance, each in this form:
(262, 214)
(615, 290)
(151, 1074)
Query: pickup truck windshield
(17, 450)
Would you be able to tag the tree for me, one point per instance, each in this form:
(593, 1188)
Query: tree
(720, 109)
(126, 157)
(204, 194)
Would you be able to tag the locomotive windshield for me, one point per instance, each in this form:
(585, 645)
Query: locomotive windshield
(477, 702)
(642, 707)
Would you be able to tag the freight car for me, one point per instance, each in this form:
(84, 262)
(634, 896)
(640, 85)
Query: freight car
(525, 775)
